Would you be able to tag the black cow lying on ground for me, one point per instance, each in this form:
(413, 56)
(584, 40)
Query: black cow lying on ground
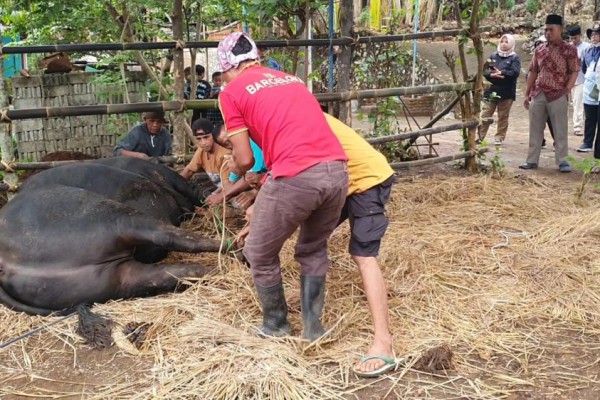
(76, 234)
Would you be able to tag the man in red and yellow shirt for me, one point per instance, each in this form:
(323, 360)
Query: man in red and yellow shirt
(306, 186)
(552, 74)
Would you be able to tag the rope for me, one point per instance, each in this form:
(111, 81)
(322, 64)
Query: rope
(7, 167)
(12, 188)
(507, 235)
(33, 331)
(4, 113)
(179, 44)
(223, 205)
(350, 94)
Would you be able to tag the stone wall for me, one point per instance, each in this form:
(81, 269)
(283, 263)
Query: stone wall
(87, 134)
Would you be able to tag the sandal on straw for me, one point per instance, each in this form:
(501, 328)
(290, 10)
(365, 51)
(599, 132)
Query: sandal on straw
(390, 363)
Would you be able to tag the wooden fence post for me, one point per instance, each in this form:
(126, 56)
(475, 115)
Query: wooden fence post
(344, 60)
(6, 146)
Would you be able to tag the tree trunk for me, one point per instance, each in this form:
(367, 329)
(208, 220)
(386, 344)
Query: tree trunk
(6, 144)
(129, 37)
(471, 162)
(344, 60)
(179, 123)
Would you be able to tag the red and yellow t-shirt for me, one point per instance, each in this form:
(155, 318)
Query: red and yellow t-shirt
(282, 117)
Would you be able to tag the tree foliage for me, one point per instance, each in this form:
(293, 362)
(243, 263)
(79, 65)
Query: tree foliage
(281, 13)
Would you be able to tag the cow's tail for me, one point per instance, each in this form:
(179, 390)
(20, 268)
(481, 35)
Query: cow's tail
(96, 329)
(15, 305)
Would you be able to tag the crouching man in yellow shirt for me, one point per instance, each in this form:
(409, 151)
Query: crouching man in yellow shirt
(370, 183)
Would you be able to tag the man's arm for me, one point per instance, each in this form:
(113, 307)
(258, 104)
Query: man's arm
(229, 192)
(515, 68)
(530, 83)
(134, 154)
(192, 166)
(242, 156)
(237, 132)
(169, 144)
(130, 141)
(186, 173)
(573, 70)
(571, 81)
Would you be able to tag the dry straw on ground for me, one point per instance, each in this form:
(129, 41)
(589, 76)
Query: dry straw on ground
(504, 272)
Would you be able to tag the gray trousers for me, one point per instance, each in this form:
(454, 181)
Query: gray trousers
(311, 200)
(539, 111)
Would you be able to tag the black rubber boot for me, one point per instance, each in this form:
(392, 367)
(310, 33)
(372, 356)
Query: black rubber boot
(272, 300)
(313, 296)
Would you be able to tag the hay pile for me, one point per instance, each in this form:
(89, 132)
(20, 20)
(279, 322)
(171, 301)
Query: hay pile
(503, 273)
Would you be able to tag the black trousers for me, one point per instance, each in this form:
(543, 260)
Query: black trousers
(591, 126)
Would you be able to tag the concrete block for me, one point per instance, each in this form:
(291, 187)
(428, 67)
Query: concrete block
(22, 103)
(81, 99)
(81, 78)
(23, 82)
(31, 124)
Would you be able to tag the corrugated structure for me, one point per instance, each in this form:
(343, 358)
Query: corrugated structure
(87, 134)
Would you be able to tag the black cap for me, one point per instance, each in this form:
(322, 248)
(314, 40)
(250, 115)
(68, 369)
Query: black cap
(554, 19)
(203, 124)
(574, 30)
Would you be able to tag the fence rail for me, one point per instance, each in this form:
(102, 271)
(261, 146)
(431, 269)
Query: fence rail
(102, 109)
(344, 41)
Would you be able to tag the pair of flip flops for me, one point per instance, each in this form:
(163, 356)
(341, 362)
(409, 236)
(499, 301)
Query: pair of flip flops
(390, 364)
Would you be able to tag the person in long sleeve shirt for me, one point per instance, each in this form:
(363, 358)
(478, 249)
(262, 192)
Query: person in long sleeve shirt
(503, 69)
(589, 67)
(148, 139)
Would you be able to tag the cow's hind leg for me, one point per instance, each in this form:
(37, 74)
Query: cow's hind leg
(145, 231)
(140, 280)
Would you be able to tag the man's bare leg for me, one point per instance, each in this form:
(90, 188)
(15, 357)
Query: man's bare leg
(376, 292)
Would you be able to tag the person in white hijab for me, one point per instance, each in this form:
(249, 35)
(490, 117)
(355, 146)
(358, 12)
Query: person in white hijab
(502, 71)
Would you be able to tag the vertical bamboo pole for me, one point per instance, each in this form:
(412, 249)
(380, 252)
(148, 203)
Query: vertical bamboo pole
(179, 123)
(330, 12)
(308, 49)
(345, 58)
(6, 144)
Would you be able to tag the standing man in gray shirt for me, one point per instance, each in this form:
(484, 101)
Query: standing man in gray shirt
(148, 139)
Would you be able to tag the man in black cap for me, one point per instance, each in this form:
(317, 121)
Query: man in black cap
(577, 92)
(553, 73)
(148, 139)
